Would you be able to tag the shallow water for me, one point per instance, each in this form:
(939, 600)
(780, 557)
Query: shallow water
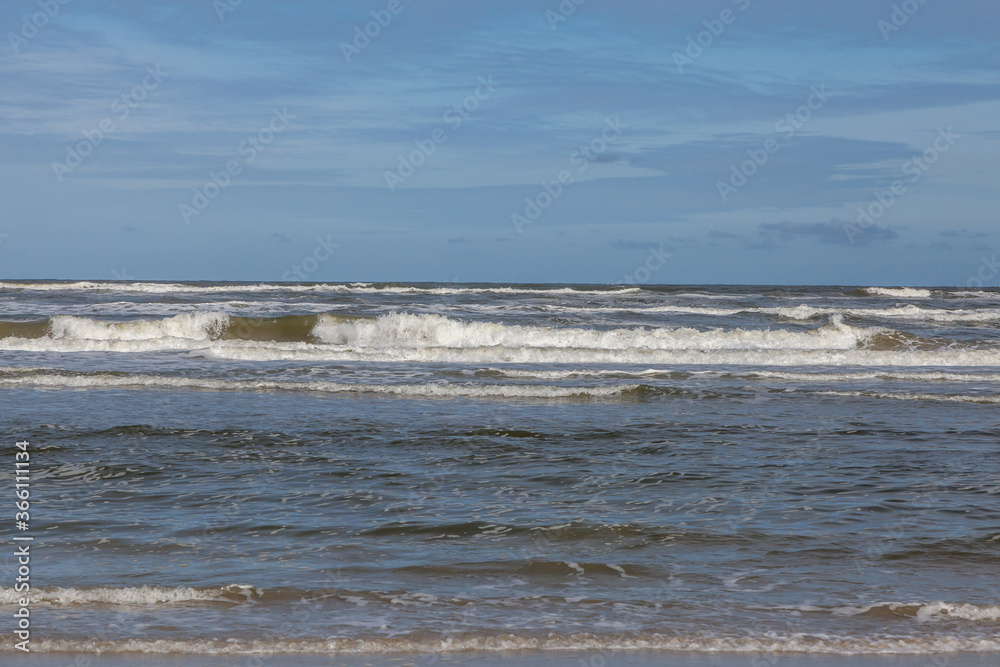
(219, 468)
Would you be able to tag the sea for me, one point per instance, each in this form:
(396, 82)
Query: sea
(426, 469)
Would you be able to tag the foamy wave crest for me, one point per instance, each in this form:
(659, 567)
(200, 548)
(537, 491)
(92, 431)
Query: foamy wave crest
(190, 327)
(432, 389)
(141, 596)
(981, 399)
(929, 611)
(925, 376)
(431, 338)
(806, 312)
(899, 292)
(976, 294)
(736, 357)
(815, 376)
(585, 373)
(769, 643)
(436, 331)
(67, 333)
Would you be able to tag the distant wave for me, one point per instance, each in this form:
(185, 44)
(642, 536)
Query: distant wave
(805, 312)
(899, 292)
(361, 288)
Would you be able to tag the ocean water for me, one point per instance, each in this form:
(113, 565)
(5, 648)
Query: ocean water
(236, 468)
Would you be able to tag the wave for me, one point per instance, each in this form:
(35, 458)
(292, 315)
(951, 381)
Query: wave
(361, 288)
(815, 376)
(772, 642)
(898, 292)
(403, 331)
(138, 596)
(981, 399)
(975, 294)
(184, 331)
(431, 389)
(805, 312)
(110, 380)
(925, 376)
(437, 331)
(535, 374)
(402, 337)
(926, 611)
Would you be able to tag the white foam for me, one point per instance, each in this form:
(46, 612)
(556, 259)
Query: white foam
(806, 312)
(967, 612)
(140, 596)
(981, 399)
(886, 375)
(927, 611)
(402, 330)
(566, 374)
(769, 643)
(926, 376)
(899, 292)
(83, 334)
(432, 389)
(400, 337)
(188, 327)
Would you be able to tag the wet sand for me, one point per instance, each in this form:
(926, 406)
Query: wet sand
(527, 658)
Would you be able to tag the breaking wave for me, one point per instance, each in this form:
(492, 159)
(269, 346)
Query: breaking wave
(437, 338)
(139, 596)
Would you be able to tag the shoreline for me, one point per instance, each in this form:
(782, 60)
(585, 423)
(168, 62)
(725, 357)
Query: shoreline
(505, 658)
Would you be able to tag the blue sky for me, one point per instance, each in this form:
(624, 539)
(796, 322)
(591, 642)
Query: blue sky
(116, 115)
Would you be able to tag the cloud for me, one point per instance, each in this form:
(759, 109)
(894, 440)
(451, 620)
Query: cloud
(774, 234)
(964, 234)
(624, 244)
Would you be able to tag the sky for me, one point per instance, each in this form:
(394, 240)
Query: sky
(523, 141)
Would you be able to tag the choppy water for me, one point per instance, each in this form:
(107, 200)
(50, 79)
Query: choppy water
(311, 468)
